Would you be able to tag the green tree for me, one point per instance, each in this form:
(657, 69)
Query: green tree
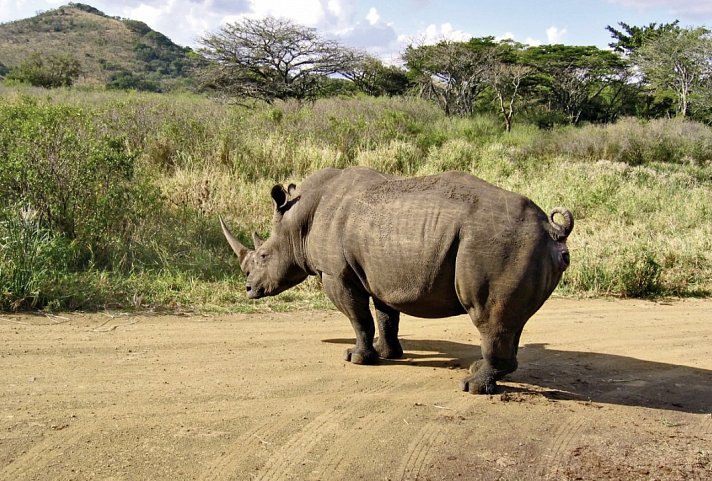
(630, 38)
(372, 77)
(508, 79)
(268, 59)
(679, 61)
(453, 74)
(49, 71)
(573, 79)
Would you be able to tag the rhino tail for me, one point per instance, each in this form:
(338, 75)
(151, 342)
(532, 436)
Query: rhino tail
(560, 231)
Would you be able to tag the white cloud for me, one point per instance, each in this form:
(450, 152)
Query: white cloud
(334, 6)
(555, 35)
(148, 14)
(373, 17)
(533, 42)
(687, 8)
(305, 12)
(511, 36)
(445, 31)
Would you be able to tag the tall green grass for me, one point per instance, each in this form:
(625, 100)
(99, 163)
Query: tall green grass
(150, 174)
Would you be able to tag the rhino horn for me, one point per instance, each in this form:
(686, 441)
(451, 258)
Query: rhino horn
(257, 240)
(237, 247)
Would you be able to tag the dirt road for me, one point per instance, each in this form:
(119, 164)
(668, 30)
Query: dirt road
(605, 390)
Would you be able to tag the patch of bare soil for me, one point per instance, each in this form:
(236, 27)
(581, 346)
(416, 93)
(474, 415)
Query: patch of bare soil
(605, 390)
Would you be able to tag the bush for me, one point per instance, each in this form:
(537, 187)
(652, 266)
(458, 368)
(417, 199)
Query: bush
(631, 141)
(79, 181)
(48, 71)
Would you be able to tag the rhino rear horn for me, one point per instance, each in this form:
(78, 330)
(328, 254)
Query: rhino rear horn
(257, 240)
(237, 247)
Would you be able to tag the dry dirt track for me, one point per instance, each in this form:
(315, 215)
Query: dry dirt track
(605, 390)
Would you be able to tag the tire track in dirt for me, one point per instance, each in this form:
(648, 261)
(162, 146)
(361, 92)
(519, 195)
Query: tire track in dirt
(293, 451)
(43, 453)
(418, 454)
(555, 455)
(702, 432)
(296, 450)
(246, 446)
(331, 462)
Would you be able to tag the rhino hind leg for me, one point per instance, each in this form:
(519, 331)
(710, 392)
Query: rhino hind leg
(485, 375)
(387, 346)
(354, 305)
(499, 358)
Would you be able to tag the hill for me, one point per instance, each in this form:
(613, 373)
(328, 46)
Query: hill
(111, 50)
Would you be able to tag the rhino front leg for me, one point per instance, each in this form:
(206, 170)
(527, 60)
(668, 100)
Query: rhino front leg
(354, 304)
(387, 346)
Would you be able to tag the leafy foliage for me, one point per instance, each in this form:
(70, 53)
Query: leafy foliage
(371, 77)
(268, 59)
(451, 73)
(50, 71)
(630, 37)
(77, 181)
(679, 60)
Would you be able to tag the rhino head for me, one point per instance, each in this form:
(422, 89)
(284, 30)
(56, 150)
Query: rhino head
(270, 268)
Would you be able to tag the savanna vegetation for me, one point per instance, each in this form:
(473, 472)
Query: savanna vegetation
(110, 197)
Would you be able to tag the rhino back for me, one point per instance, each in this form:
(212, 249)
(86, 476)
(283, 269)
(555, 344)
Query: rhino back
(400, 238)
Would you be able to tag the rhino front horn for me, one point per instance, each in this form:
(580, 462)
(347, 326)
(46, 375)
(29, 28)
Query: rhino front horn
(237, 247)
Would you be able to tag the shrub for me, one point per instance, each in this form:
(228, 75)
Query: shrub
(30, 258)
(48, 71)
(81, 183)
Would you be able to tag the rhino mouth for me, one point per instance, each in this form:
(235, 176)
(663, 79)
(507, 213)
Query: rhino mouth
(254, 293)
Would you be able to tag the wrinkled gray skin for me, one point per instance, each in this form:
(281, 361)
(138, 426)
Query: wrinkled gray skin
(433, 247)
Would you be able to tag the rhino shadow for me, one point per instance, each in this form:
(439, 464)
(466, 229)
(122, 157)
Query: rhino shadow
(574, 375)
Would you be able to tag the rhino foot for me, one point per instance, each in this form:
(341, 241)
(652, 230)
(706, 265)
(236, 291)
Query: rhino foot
(475, 366)
(389, 351)
(479, 385)
(361, 356)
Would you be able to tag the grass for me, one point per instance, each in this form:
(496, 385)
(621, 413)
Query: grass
(641, 192)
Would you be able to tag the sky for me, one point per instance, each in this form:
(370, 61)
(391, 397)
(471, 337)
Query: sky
(385, 27)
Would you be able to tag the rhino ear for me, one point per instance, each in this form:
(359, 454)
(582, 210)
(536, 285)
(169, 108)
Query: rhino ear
(279, 195)
(257, 240)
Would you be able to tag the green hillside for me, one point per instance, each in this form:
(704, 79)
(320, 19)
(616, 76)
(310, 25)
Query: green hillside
(111, 50)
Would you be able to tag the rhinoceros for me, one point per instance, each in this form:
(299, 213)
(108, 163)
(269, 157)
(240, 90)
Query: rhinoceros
(431, 247)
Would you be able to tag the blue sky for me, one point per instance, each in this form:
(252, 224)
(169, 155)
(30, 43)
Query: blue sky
(385, 27)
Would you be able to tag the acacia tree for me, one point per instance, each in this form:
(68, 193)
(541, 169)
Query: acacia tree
(679, 60)
(268, 59)
(372, 77)
(506, 82)
(453, 74)
(573, 78)
(630, 38)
